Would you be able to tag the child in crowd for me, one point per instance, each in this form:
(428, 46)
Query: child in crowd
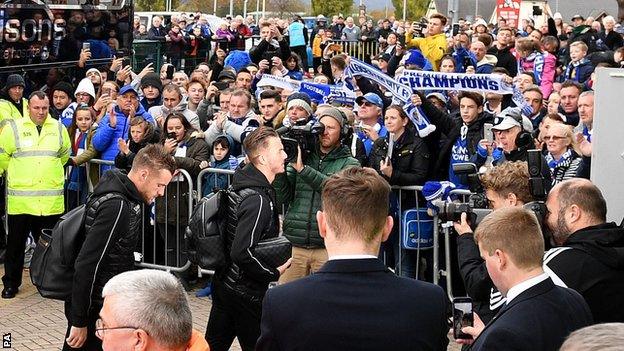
(580, 68)
(141, 133)
(221, 159)
(293, 65)
(81, 131)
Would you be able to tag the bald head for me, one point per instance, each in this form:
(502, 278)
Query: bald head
(572, 205)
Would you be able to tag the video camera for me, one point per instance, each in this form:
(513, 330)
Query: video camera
(304, 136)
(477, 206)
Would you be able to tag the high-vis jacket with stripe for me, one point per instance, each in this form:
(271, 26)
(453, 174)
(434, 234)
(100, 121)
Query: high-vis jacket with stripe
(34, 163)
(8, 110)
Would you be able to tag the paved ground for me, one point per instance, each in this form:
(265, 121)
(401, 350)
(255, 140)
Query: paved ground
(36, 323)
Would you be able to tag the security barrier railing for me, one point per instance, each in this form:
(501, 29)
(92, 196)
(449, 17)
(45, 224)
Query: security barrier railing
(361, 50)
(417, 232)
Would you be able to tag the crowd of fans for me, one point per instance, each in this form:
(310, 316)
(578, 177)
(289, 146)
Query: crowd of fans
(201, 115)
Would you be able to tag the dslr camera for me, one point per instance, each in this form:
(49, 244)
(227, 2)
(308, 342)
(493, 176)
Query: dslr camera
(304, 136)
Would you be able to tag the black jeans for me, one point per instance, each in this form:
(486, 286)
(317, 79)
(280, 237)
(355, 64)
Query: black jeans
(19, 227)
(232, 316)
(93, 343)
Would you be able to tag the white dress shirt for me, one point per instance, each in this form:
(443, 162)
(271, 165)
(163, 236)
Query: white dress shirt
(525, 285)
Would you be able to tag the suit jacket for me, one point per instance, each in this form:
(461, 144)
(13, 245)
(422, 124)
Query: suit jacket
(539, 319)
(355, 304)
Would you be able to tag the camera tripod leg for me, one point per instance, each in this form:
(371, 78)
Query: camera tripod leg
(447, 259)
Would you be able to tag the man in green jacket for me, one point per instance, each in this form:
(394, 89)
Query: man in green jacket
(301, 188)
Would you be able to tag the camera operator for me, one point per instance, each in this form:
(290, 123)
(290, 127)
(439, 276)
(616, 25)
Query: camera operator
(506, 185)
(298, 109)
(462, 134)
(272, 44)
(301, 188)
(590, 256)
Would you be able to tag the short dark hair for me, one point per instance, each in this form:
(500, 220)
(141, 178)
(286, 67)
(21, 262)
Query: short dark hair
(271, 94)
(40, 95)
(502, 70)
(476, 97)
(258, 139)
(154, 157)
(535, 89)
(170, 87)
(570, 83)
(530, 74)
(355, 202)
(585, 195)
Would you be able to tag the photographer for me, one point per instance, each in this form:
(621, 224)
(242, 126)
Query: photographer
(506, 185)
(301, 188)
(433, 46)
(272, 44)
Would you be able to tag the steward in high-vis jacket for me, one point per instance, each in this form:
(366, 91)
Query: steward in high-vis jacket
(12, 102)
(32, 152)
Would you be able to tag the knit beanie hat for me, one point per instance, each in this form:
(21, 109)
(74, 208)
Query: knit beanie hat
(300, 100)
(85, 86)
(96, 71)
(15, 80)
(152, 79)
(334, 113)
(65, 87)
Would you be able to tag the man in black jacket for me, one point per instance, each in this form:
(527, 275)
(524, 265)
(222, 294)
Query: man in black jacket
(251, 216)
(112, 231)
(502, 50)
(538, 314)
(272, 44)
(590, 256)
(354, 302)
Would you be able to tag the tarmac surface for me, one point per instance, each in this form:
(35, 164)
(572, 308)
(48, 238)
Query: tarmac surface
(36, 323)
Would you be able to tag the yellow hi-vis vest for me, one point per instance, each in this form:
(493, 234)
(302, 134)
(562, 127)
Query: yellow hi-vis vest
(34, 163)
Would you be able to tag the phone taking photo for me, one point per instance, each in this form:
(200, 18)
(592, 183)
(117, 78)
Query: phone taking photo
(462, 317)
(488, 134)
(86, 45)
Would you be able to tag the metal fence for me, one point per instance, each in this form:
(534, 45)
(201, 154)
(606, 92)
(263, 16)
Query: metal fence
(187, 192)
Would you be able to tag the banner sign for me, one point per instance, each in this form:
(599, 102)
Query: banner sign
(509, 10)
(424, 80)
(319, 93)
(359, 68)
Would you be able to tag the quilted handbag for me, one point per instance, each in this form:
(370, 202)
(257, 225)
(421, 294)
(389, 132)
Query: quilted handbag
(274, 251)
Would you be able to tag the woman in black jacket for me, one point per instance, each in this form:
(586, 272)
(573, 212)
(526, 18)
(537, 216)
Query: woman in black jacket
(407, 164)
(172, 210)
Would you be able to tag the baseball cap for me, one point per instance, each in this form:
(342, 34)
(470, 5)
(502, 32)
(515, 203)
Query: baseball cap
(438, 96)
(575, 17)
(126, 89)
(370, 97)
(385, 57)
(512, 117)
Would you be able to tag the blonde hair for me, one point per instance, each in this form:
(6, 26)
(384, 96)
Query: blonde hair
(516, 232)
(509, 178)
(580, 45)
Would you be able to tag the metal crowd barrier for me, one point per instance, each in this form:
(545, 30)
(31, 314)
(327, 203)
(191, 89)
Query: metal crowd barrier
(206, 171)
(150, 227)
(361, 50)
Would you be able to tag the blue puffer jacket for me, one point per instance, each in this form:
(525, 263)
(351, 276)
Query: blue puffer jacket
(105, 138)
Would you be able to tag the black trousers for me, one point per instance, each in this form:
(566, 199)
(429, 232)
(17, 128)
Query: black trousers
(232, 316)
(19, 227)
(303, 54)
(93, 343)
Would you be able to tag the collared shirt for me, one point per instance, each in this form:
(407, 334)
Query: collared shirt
(525, 285)
(351, 257)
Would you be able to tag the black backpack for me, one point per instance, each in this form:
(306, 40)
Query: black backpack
(206, 230)
(52, 264)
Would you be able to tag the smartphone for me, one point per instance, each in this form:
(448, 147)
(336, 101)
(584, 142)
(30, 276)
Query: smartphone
(487, 132)
(467, 62)
(462, 317)
(171, 135)
(170, 71)
(455, 29)
(86, 45)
